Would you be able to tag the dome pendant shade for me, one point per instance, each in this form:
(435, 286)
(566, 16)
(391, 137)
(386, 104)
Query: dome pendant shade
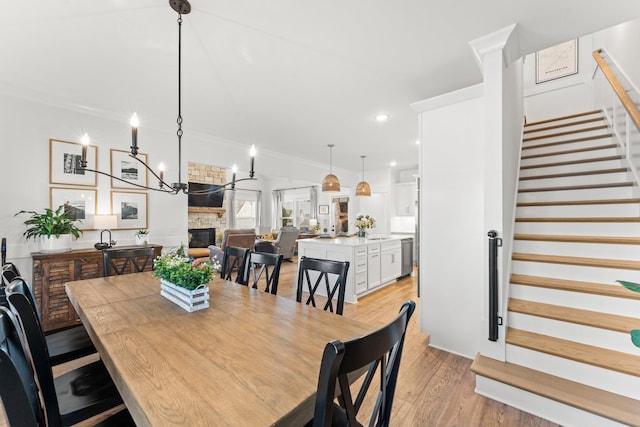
(330, 183)
(363, 189)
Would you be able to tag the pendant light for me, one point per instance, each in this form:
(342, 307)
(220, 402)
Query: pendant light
(330, 183)
(363, 189)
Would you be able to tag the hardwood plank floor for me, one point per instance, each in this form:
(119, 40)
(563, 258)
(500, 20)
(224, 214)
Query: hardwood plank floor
(435, 388)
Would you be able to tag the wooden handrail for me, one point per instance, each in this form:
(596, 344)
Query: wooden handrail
(628, 104)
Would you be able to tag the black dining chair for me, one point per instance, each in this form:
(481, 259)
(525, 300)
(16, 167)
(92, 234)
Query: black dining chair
(381, 351)
(259, 264)
(69, 398)
(127, 260)
(234, 260)
(63, 345)
(313, 271)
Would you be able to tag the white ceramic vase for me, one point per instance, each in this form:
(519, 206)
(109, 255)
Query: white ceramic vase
(55, 244)
(142, 239)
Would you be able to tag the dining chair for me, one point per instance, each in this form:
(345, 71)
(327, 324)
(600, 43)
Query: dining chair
(63, 345)
(127, 260)
(234, 259)
(313, 271)
(381, 351)
(258, 264)
(69, 398)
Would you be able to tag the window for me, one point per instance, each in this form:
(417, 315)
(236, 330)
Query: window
(246, 209)
(294, 207)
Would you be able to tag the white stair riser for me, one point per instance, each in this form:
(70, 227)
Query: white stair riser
(583, 133)
(584, 301)
(598, 337)
(593, 376)
(540, 147)
(586, 194)
(548, 409)
(595, 114)
(582, 211)
(575, 180)
(580, 228)
(574, 272)
(578, 167)
(605, 152)
(590, 250)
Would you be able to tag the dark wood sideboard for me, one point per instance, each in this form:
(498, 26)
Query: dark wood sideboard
(52, 270)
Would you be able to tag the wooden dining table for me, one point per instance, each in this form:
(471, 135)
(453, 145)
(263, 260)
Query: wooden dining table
(251, 358)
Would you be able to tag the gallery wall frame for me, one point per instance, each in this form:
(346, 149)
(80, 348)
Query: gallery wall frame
(130, 208)
(64, 163)
(125, 167)
(323, 209)
(557, 61)
(80, 203)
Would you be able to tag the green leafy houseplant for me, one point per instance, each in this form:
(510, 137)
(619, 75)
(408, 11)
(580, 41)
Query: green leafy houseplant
(635, 287)
(50, 223)
(182, 271)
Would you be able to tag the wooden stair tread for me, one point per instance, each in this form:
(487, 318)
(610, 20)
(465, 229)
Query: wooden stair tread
(618, 361)
(566, 141)
(612, 290)
(570, 116)
(606, 404)
(578, 173)
(576, 123)
(580, 219)
(576, 150)
(580, 261)
(579, 202)
(615, 240)
(572, 162)
(577, 187)
(569, 132)
(595, 319)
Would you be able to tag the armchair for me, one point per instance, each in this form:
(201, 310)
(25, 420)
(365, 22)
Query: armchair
(284, 245)
(240, 238)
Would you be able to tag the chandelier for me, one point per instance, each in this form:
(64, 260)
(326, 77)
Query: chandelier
(182, 7)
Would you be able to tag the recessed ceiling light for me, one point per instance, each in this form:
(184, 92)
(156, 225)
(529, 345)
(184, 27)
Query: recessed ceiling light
(382, 117)
(417, 142)
(393, 163)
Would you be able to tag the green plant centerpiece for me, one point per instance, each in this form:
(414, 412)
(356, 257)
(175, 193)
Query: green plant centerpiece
(363, 223)
(635, 287)
(182, 271)
(53, 228)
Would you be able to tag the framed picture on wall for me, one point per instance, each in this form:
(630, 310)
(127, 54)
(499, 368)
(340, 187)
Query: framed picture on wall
(130, 208)
(557, 61)
(127, 168)
(323, 209)
(80, 204)
(64, 163)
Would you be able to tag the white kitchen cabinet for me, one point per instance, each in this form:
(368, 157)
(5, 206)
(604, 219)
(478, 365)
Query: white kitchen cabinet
(373, 266)
(406, 197)
(390, 261)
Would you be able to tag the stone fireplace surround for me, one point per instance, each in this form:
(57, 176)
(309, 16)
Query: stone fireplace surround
(207, 174)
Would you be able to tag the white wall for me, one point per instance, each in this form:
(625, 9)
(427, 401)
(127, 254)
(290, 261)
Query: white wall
(621, 44)
(452, 223)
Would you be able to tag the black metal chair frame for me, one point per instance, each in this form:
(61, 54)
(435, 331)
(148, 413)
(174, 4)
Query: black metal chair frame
(381, 350)
(234, 259)
(258, 263)
(69, 398)
(131, 258)
(324, 267)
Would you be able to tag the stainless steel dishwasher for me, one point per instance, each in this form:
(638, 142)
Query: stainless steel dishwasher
(407, 257)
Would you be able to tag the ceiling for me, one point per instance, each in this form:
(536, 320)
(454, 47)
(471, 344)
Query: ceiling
(287, 75)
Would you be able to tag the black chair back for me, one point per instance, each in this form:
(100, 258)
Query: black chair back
(127, 260)
(18, 390)
(381, 350)
(234, 259)
(259, 264)
(332, 273)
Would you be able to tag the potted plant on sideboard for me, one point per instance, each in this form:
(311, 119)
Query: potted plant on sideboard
(53, 228)
(142, 237)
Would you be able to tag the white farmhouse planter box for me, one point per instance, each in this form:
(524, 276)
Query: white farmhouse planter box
(197, 299)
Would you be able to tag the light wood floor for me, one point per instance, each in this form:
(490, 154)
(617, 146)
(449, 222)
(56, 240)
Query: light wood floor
(435, 388)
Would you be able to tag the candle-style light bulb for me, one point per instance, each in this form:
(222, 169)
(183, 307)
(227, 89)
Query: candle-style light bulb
(161, 168)
(252, 153)
(135, 122)
(84, 140)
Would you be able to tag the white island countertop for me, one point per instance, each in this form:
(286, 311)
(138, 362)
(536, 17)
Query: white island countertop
(350, 241)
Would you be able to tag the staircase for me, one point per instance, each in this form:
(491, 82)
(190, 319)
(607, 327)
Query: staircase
(569, 357)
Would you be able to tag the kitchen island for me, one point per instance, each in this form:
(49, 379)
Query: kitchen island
(373, 262)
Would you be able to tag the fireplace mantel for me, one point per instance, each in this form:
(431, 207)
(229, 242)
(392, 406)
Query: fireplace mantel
(218, 211)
